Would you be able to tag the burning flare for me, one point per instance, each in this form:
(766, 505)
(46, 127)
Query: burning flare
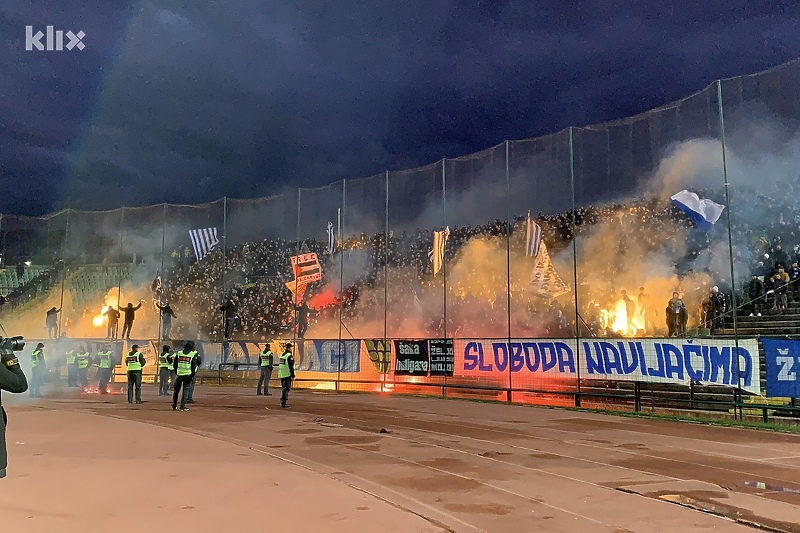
(113, 296)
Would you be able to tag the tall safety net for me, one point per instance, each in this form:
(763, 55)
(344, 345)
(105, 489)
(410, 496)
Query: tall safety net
(629, 262)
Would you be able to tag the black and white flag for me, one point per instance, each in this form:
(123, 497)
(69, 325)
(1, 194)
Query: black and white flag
(533, 237)
(204, 241)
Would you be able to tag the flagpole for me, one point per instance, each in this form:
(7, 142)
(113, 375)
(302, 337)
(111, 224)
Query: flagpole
(386, 281)
(736, 391)
(63, 275)
(224, 262)
(508, 262)
(297, 253)
(341, 284)
(119, 270)
(163, 279)
(575, 270)
(444, 261)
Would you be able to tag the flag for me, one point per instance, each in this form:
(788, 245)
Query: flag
(300, 289)
(306, 268)
(204, 241)
(437, 254)
(417, 303)
(331, 238)
(533, 237)
(703, 212)
(545, 281)
(156, 288)
(156, 285)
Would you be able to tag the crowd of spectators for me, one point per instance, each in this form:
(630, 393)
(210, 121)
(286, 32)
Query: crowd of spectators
(256, 274)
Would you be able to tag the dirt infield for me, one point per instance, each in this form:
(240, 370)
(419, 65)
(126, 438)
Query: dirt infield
(358, 462)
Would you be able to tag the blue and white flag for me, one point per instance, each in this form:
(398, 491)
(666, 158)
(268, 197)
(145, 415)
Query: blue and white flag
(782, 359)
(533, 237)
(204, 241)
(331, 239)
(703, 212)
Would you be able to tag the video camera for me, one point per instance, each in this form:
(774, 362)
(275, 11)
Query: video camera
(11, 344)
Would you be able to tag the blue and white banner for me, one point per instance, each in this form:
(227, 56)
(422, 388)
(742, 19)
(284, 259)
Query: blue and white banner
(782, 360)
(680, 361)
(329, 356)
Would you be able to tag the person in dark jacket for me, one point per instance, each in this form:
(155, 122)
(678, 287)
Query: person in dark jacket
(717, 305)
(51, 322)
(167, 314)
(229, 315)
(755, 291)
(12, 379)
(677, 316)
(794, 278)
(112, 316)
(302, 319)
(130, 315)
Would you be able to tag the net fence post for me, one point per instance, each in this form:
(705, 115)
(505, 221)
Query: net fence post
(507, 164)
(573, 221)
(382, 353)
(736, 389)
(341, 282)
(444, 261)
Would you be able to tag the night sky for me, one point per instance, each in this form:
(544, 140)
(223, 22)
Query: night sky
(189, 101)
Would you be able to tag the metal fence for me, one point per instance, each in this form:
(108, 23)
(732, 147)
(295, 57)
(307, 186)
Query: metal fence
(600, 195)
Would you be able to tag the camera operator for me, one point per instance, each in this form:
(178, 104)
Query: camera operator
(12, 379)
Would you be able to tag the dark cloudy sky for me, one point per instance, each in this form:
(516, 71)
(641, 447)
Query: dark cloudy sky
(188, 101)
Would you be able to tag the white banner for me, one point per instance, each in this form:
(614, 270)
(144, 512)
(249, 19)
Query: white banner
(679, 361)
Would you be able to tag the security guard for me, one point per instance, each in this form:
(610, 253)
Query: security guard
(286, 373)
(104, 368)
(265, 364)
(72, 369)
(82, 361)
(185, 364)
(164, 367)
(38, 371)
(134, 362)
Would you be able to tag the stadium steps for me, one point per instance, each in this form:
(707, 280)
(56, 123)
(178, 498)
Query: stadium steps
(9, 281)
(771, 323)
(89, 284)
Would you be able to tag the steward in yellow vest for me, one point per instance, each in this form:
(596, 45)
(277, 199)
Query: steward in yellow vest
(185, 364)
(38, 371)
(134, 362)
(286, 373)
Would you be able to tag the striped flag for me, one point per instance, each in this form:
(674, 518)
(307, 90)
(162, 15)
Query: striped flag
(204, 241)
(533, 238)
(437, 254)
(545, 281)
(306, 268)
(331, 239)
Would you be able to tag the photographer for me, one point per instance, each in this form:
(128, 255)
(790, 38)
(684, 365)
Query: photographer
(12, 379)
